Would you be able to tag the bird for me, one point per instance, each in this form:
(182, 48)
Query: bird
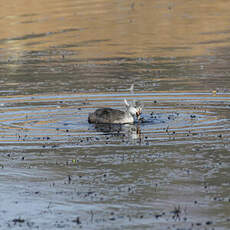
(115, 116)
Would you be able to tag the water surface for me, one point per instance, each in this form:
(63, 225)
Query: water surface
(60, 60)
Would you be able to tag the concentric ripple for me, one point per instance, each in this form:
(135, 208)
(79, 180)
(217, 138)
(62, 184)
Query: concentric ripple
(46, 121)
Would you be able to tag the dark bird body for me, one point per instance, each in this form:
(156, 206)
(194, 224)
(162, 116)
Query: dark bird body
(108, 115)
(115, 116)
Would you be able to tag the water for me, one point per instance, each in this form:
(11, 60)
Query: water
(60, 61)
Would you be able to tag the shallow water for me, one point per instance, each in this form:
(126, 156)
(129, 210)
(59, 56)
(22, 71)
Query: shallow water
(60, 61)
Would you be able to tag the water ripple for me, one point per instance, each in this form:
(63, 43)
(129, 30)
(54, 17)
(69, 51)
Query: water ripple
(167, 118)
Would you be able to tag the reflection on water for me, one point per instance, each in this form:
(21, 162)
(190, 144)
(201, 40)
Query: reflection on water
(125, 131)
(101, 46)
(60, 60)
(101, 29)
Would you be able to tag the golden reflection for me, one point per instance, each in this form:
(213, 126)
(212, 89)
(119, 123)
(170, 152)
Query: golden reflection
(102, 29)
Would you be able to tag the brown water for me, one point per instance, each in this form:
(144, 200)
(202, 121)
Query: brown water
(59, 60)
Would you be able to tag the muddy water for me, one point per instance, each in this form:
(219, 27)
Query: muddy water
(60, 60)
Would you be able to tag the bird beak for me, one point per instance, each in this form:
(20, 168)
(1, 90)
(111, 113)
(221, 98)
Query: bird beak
(138, 114)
